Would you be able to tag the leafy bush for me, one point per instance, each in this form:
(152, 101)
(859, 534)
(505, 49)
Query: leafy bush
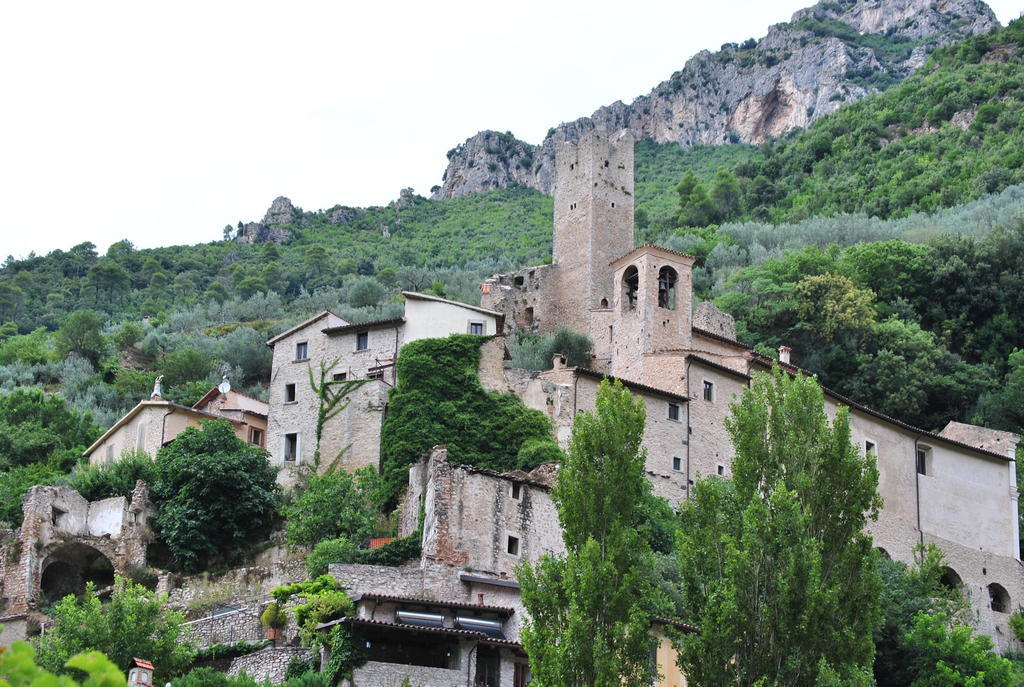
(208, 677)
(298, 667)
(230, 650)
(327, 551)
(439, 400)
(274, 617)
(19, 667)
(95, 482)
(36, 427)
(13, 485)
(335, 504)
(532, 352)
(216, 495)
(133, 623)
(324, 599)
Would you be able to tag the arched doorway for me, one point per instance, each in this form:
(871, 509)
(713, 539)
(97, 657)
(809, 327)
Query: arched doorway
(69, 567)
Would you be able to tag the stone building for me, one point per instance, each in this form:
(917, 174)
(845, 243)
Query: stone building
(63, 543)
(956, 489)
(328, 346)
(156, 422)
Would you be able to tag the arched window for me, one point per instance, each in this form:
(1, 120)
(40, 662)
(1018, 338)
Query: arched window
(999, 599)
(950, 579)
(630, 285)
(604, 302)
(667, 288)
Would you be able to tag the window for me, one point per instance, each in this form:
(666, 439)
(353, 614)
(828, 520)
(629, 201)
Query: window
(302, 351)
(362, 341)
(289, 393)
(340, 376)
(673, 412)
(630, 286)
(677, 463)
(999, 599)
(513, 545)
(923, 460)
(375, 374)
(528, 316)
(291, 447)
(476, 328)
(709, 391)
(517, 491)
(256, 436)
(518, 282)
(869, 448)
(667, 288)
(721, 471)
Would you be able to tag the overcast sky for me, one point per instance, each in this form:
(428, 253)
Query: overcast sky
(162, 122)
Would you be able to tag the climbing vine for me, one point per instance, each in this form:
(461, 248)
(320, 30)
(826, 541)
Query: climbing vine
(439, 400)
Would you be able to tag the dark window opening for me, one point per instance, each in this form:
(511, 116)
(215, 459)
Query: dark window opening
(950, 579)
(606, 163)
(517, 491)
(869, 448)
(289, 393)
(476, 328)
(518, 282)
(677, 463)
(301, 351)
(613, 203)
(604, 302)
(630, 286)
(488, 667)
(513, 545)
(291, 446)
(362, 341)
(340, 376)
(709, 391)
(673, 412)
(56, 516)
(412, 651)
(667, 278)
(999, 599)
(721, 470)
(256, 436)
(528, 316)
(922, 461)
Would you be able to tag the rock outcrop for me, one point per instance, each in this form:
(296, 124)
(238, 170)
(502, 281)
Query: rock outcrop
(273, 227)
(827, 55)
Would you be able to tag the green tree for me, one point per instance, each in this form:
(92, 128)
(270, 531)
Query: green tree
(950, 656)
(133, 623)
(696, 209)
(725, 194)
(590, 610)
(216, 495)
(36, 427)
(81, 334)
(335, 504)
(776, 567)
(19, 668)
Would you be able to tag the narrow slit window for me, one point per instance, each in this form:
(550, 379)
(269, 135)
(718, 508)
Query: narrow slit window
(630, 287)
(673, 412)
(513, 545)
(291, 447)
(517, 491)
(709, 391)
(677, 463)
(289, 393)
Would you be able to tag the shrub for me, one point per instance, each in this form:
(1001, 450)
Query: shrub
(216, 495)
(274, 617)
(96, 482)
(335, 504)
(337, 550)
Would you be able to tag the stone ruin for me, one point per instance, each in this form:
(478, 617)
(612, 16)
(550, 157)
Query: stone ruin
(65, 542)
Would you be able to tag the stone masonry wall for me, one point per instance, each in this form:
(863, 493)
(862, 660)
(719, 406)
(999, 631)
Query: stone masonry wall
(268, 664)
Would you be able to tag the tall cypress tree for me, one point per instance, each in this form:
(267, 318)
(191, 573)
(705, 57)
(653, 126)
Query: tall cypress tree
(777, 569)
(589, 617)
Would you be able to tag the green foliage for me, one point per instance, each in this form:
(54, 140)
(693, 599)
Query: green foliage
(81, 335)
(776, 567)
(14, 482)
(216, 495)
(19, 668)
(36, 427)
(332, 398)
(335, 504)
(208, 677)
(298, 667)
(274, 617)
(327, 551)
(31, 349)
(1017, 624)
(590, 610)
(133, 623)
(324, 599)
(439, 400)
(532, 352)
(96, 482)
(348, 652)
(954, 655)
(394, 553)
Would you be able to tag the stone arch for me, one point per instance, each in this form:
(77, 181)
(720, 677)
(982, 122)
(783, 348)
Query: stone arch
(667, 278)
(998, 598)
(68, 566)
(883, 553)
(950, 579)
(630, 287)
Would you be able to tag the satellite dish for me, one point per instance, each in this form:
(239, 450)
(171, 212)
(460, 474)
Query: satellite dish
(225, 386)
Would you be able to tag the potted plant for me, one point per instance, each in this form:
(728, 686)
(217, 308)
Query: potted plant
(275, 619)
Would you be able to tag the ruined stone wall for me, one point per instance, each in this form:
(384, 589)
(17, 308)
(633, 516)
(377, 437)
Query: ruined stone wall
(529, 299)
(268, 664)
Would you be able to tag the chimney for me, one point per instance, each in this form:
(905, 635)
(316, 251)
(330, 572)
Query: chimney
(784, 352)
(558, 361)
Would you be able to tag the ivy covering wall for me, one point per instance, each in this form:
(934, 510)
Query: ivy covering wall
(439, 400)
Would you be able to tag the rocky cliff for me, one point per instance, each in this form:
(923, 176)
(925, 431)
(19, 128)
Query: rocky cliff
(826, 55)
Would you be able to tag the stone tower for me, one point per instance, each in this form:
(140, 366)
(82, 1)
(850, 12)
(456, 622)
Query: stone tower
(593, 221)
